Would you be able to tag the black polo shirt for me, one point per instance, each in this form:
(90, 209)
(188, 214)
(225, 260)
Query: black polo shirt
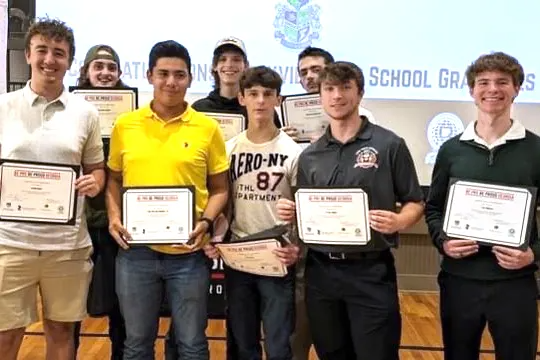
(375, 159)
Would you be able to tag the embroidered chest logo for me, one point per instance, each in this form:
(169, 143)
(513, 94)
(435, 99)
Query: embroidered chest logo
(366, 158)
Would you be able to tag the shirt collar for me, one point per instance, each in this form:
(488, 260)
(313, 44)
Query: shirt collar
(364, 133)
(516, 132)
(32, 97)
(184, 117)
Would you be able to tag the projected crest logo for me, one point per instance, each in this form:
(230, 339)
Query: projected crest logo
(297, 23)
(441, 128)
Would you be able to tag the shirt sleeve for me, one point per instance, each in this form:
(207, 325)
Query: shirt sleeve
(218, 161)
(93, 148)
(115, 148)
(406, 185)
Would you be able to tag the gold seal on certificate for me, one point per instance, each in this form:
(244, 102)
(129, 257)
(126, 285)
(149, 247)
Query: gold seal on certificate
(161, 215)
(488, 213)
(110, 103)
(231, 124)
(306, 114)
(38, 192)
(333, 216)
(253, 257)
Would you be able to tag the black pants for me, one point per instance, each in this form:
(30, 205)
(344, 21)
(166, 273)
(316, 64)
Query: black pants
(353, 307)
(117, 334)
(508, 307)
(102, 299)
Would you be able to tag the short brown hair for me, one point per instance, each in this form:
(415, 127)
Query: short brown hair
(260, 76)
(497, 61)
(52, 29)
(341, 72)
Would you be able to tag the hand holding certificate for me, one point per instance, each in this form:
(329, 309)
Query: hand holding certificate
(231, 124)
(255, 254)
(38, 192)
(158, 215)
(305, 114)
(333, 216)
(110, 103)
(489, 214)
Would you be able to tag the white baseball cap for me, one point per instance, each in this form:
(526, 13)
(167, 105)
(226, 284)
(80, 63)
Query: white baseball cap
(232, 41)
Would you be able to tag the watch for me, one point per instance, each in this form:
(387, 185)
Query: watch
(210, 223)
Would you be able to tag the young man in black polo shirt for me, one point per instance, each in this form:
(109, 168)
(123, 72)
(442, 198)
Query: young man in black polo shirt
(351, 291)
(311, 61)
(483, 284)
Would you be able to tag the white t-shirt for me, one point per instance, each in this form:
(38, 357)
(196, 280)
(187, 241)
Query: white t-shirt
(63, 131)
(260, 175)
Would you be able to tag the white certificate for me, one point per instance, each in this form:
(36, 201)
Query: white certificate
(158, 215)
(306, 114)
(253, 257)
(35, 192)
(333, 216)
(231, 124)
(110, 104)
(491, 214)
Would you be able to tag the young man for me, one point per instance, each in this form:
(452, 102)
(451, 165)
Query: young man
(166, 143)
(228, 63)
(101, 68)
(351, 291)
(487, 284)
(255, 191)
(311, 61)
(252, 298)
(44, 123)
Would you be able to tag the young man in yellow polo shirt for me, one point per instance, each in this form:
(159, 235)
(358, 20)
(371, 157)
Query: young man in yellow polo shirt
(166, 143)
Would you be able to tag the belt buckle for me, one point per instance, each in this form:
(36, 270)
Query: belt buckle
(336, 256)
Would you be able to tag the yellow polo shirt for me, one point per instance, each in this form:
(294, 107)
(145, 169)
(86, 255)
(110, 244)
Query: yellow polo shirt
(149, 151)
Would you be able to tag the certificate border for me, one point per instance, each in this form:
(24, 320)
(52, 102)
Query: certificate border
(98, 89)
(244, 118)
(76, 169)
(344, 243)
(529, 221)
(255, 242)
(164, 187)
(285, 119)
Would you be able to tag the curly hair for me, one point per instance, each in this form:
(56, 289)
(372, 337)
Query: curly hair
(497, 61)
(52, 29)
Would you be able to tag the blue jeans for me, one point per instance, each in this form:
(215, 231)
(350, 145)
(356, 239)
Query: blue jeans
(141, 277)
(251, 298)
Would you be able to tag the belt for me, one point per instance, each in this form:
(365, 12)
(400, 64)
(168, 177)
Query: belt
(343, 256)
